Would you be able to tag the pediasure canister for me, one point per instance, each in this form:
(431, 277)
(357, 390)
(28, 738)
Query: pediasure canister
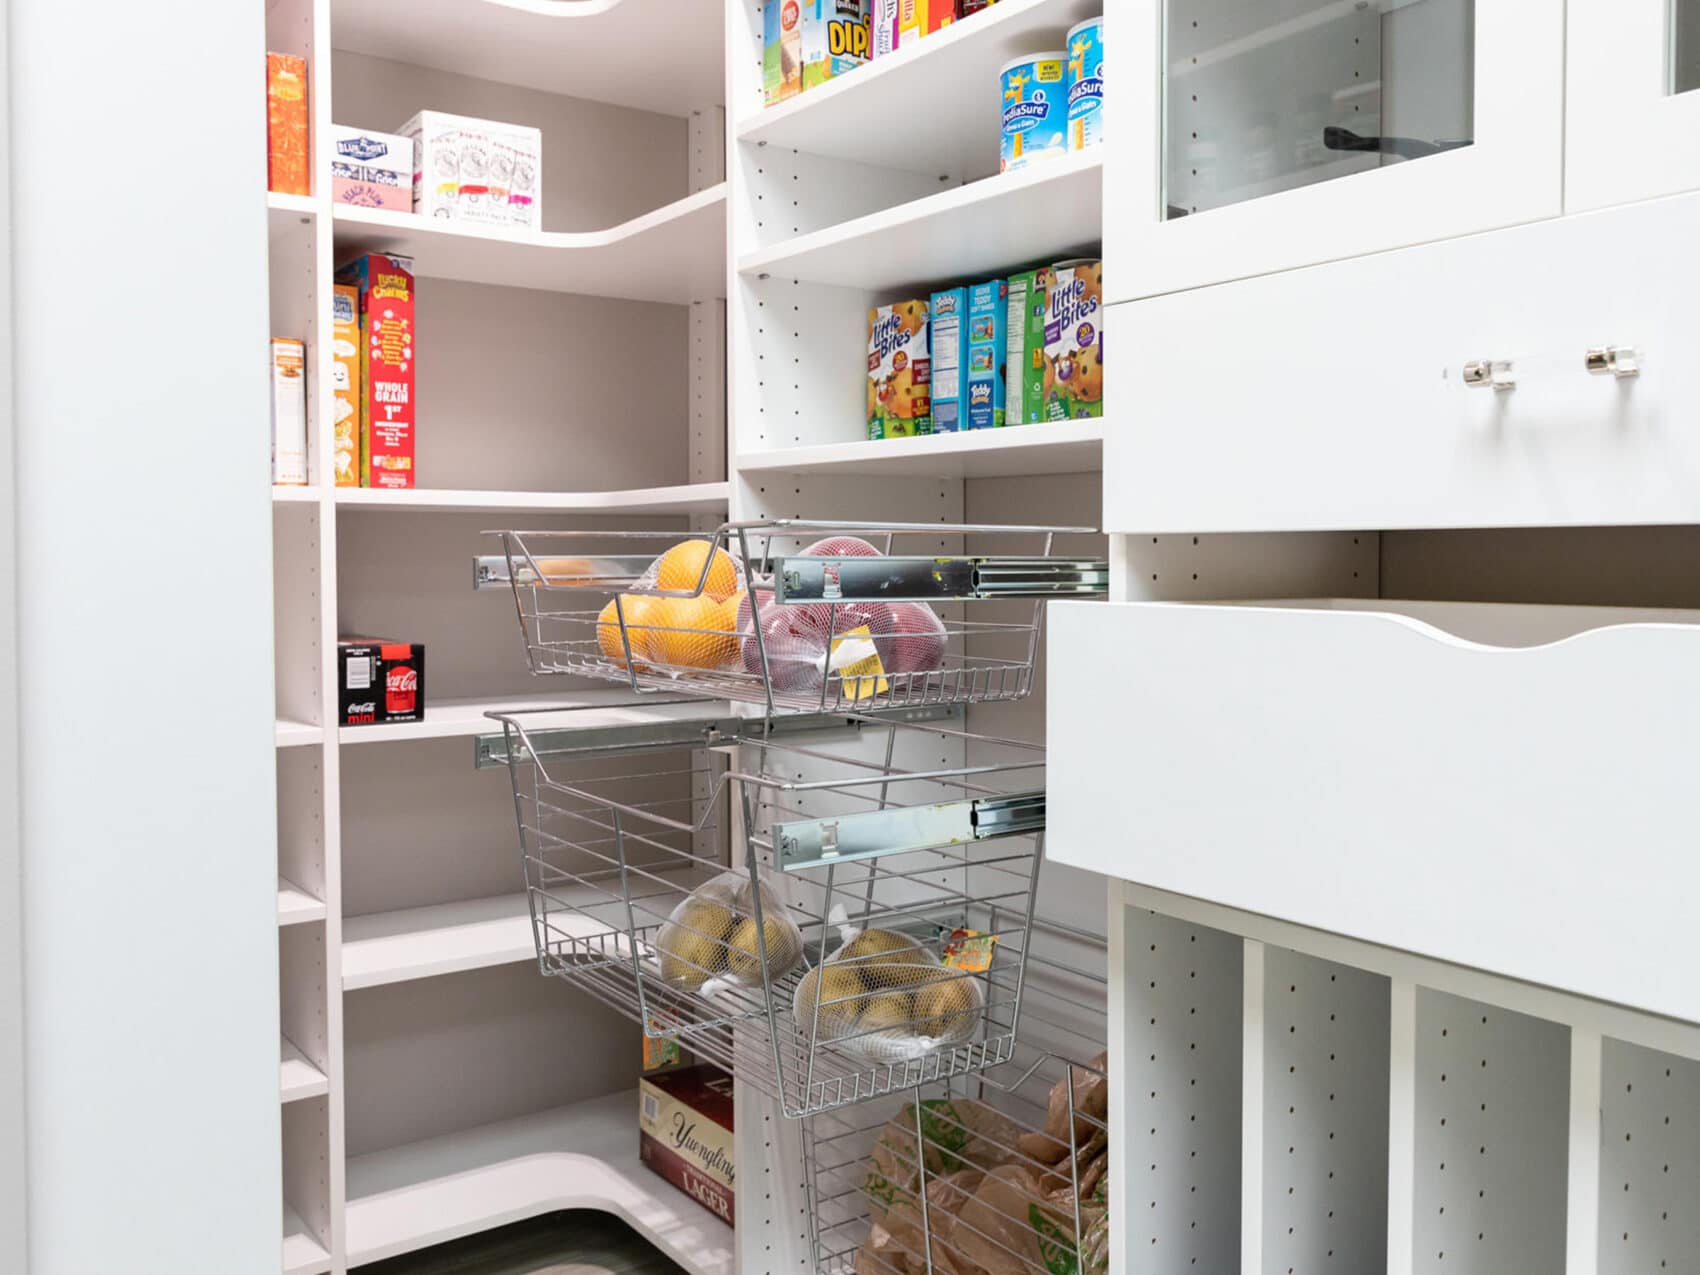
(1086, 84)
(1035, 109)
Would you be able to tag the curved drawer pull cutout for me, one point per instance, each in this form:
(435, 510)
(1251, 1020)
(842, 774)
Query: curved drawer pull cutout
(1621, 361)
(1500, 374)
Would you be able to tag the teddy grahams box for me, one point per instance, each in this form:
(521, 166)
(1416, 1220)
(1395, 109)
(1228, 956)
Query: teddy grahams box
(685, 1124)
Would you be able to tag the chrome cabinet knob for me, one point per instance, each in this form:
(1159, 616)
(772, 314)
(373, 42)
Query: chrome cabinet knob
(1499, 374)
(1621, 361)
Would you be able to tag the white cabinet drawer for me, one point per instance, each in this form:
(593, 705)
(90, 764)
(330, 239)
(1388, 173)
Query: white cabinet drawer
(1531, 810)
(1335, 397)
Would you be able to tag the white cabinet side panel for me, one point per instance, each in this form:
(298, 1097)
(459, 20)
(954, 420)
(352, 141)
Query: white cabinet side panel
(1649, 1162)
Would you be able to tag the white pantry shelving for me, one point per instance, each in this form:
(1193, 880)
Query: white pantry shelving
(1063, 447)
(295, 906)
(447, 938)
(673, 254)
(1050, 211)
(292, 734)
(579, 1156)
(295, 495)
(690, 498)
(457, 719)
(302, 1254)
(299, 1078)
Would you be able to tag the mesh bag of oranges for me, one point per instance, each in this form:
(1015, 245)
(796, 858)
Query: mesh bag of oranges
(885, 997)
(682, 617)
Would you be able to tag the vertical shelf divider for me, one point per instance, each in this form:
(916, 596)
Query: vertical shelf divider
(1582, 1217)
(1401, 1126)
(1251, 1111)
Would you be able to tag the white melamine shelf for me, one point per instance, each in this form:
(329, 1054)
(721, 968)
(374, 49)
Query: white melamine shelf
(295, 906)
(955, 72)
(284, 211)
(1067, 447)
(449, 938)
(675, 254)
(298, 1077)
(295, 495)
(1038, 213)
(458, 718)
(295, 734)
(582, 1156)
(651, 55)
(302, 1254)
(692, 498)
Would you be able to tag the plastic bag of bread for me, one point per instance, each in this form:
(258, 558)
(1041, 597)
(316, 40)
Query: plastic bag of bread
(885, 998)
(956, 1134)
(711, 941)
(1008, 1228)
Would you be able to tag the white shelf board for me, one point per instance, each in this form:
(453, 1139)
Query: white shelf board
(286, 211)
(460, 718)
(969, 232)
(305, 495)
(298, 1077)
(582, 1156)
(295, 906)
(961, 133)
(581, 48)
(292, 734)
(675, 254)
(302, 1254)
(449, 938)
(1070, 447)
(693, 498)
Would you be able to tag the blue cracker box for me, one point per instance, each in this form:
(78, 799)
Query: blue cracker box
(988, 352)
(950, 360)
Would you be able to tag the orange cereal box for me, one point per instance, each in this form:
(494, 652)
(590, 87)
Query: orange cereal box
(345, 382)
(286, 124)
(383, 284)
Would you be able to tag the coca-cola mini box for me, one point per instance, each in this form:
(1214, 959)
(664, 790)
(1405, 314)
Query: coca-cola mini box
(685, 1124)
(379, 682)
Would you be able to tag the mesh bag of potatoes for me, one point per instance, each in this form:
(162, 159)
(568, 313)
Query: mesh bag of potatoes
(679, 636)
(885, 998)
(711, 942)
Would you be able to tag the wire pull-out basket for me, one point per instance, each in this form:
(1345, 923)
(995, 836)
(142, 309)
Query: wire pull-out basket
(1007, 1171)
(834, 916)
(800, 616)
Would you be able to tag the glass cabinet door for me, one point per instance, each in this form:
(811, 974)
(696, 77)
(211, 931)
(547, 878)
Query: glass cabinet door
(1292, 132)
(1633, 115)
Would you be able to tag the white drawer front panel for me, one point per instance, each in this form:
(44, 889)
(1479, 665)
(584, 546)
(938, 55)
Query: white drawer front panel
(1335, 397)
(1531, 812)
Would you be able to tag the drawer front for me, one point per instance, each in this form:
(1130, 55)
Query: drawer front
(1529, 812)
(1335, 397)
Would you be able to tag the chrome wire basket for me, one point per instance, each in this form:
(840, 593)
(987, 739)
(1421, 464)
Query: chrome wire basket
(790, 615)
(1004, 1171)
(826, 917)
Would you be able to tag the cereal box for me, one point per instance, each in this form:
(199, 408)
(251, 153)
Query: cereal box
(1035, 110)
(782, 50)
(883, 28)
(371, 170)
(900, 368)
(949, 322)
(289, 412)
(916, 18)
(988, 344)
(835, 39)
(345, 383)
(1086, 84)
(974, 6)
(286, 124)
(1074, 342)
(384, 285)
(1029, 295)
(685, 1124)
(475, 170)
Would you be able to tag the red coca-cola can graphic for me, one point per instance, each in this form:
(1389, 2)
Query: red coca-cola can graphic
(380, 682)
(401, 690)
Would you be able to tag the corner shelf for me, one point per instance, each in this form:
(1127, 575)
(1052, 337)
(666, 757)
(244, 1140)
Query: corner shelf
(582, 1156)
(1067, 447)
(675, 254)
(302, 1254)
(308, 495)
(1038, 213)
(292, 734)
(961, 135)
(464, 718)
(298, 1077)
(691, 498)
(584, 49)
(295, 906)
(286, 211)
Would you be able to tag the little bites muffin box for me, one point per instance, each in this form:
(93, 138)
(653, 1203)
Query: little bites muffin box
(384, 287)
(900, 371)
(685, 1134)
(1074, 342)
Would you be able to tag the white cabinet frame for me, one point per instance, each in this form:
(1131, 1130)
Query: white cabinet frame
(1512, 174)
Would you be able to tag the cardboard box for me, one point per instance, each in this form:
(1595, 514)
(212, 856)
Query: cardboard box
(1024, 397)
(1074, 342)
(685, 1134)
(900, 371)
(835, 39)
(882, 26)
(287, 167)
(371, 170)
(379, 682)
(782, 50)
(384, 285)
(916, 18)
(985, 370)
(949, 322)
(289, 412)
(479, 171)
(345, 384)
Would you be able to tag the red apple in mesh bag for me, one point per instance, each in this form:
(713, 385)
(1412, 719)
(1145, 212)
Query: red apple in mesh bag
(796, 638)
(841, 547)
(917, 641)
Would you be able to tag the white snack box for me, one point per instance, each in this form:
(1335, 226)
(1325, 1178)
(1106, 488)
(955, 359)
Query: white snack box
(371, 170)
(478, 171)
(289, 412)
